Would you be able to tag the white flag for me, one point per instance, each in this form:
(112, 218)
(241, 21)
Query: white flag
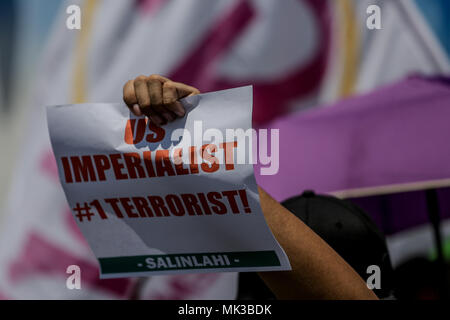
(209, 44)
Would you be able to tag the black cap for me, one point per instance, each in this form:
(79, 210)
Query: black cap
(348, 230)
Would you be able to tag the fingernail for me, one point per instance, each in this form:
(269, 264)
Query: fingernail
(168, 116)
(180, 111)
(136, 110)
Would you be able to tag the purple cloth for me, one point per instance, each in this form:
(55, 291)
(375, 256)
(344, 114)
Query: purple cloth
(401, 211)
(397, 134)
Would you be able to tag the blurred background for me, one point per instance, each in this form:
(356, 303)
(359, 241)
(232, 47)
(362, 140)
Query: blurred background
(301, 56)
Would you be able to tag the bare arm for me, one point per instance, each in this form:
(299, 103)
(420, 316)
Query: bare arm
(318, 272)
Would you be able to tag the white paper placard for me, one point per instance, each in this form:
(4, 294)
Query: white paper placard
(164, 200)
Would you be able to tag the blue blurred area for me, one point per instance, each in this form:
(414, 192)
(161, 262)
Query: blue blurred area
(36, 18)
(7, 28)
(437, 13)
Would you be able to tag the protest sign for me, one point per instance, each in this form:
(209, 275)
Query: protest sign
(181, 198)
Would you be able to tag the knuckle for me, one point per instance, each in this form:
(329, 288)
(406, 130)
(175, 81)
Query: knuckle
(151, 82)
(141, 78)
(169, 85)
(128, 99)
(144, 103)
(153, 77)
(149, 111)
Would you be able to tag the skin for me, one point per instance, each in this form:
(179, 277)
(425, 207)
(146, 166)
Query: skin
(318, 272)
(156, 97)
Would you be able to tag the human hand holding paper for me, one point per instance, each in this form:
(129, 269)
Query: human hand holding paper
(157, 97)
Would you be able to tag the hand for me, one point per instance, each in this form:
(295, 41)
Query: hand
(157, 98)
